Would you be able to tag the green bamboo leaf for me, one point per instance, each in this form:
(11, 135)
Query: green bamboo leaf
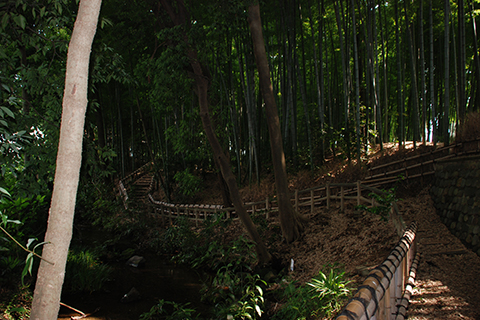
(28, 266)
(40, 244)
(30, 241)
(8, 112)
(5, 20)
(4, 191)
(20, 21)
(259, 311)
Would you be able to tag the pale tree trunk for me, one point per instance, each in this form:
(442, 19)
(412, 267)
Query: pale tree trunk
(178, 13)
(290, 220)
(50, 277)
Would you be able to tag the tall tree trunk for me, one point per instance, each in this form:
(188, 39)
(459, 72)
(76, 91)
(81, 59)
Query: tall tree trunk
(357, 80)
(422, 73)
(401, 106)
(461, 62)
(446, 101)
(319, 77)
(48, 288)
(290, 220)
(432, 78)
(178, 16)
(385, 78)
(346, 93)
(378, 114)
(414, 89)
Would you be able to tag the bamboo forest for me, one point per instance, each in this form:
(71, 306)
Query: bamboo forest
(156, 156)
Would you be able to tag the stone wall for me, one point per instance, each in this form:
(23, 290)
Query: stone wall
(456, 195)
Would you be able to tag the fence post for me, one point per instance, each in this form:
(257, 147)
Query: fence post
(328, 195)
(267, 212)
(359, 192)
(296, 199)
(341, 199)
(312, 201)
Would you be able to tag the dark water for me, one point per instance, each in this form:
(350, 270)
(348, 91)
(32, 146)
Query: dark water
(158, 279)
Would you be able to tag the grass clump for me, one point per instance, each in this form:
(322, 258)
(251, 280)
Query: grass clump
(85, 272)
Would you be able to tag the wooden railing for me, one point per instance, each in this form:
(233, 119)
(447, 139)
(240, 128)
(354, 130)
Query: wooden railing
(305, 199)
(418, 166)
(386, 291)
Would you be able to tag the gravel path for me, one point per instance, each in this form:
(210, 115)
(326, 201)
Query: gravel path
(448, 278)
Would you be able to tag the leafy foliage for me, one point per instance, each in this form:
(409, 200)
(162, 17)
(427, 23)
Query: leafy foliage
(384, 203)
(206, 248)
(323, 296)
(330, 289)
(188, 184)
(235, 295)
(169, 311)
(31, 212)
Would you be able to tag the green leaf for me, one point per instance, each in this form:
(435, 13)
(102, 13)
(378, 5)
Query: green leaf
(28, 266)
(30, 241)
(20, 21)
(15, 221)
(40, 244)
(4, 191)
(5, 21)
(8, 112)
(259, 311)
(42, 12)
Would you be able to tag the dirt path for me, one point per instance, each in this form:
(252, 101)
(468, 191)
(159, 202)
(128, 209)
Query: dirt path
(448, 278)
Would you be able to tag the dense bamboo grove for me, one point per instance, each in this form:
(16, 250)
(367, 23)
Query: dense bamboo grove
(346, 75)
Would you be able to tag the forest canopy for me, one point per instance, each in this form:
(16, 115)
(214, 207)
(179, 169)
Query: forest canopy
(346, 75)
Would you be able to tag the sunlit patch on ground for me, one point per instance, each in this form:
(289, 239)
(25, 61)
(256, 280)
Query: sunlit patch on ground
(433, 300)
(447, 278)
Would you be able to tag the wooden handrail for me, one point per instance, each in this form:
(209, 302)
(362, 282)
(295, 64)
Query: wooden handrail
(382, 293)
(321, 195)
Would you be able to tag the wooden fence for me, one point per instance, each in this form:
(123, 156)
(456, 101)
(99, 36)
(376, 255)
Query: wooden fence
(306, 199)
(419, 166)
(385, 293)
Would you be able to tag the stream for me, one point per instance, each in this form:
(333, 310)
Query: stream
(158, 278)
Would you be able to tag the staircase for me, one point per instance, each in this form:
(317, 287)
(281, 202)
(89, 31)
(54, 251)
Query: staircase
(135, 187)
(140, 188)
